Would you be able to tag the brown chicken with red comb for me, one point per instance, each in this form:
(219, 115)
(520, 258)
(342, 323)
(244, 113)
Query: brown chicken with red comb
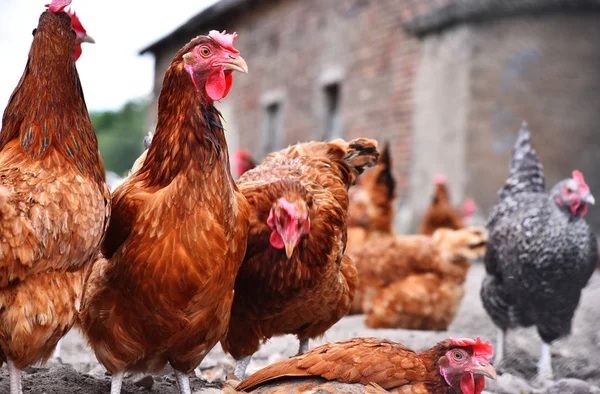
(453, 366)
(178, 233)
(294, 279)
(54, 204)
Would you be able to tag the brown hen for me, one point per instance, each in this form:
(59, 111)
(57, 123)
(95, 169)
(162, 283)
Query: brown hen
(54, 204)
(294, 279)
(415, 281)
(178, 233)
(451, 367)
(371, 210)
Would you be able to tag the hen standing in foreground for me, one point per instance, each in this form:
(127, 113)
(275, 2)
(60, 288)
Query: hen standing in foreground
(294, 279)
(54, 204)
(540, 253)
(178, 234)
(453, 366)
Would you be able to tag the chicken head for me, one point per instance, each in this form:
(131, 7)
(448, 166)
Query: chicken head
(81, 34)
(467, 365)
(211, 62)
(573, 194)
(289, 222)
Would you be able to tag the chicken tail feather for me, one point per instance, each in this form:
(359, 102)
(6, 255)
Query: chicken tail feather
(526, 171)
(362, 153)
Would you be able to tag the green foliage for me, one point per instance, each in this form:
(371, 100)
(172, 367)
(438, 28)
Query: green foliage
(121, 135)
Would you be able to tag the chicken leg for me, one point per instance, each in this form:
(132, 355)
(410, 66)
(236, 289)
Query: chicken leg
(183, 381)
(57, 351)
(116, 382)
(545, 364)
(499, 350)
(303, 348)
(16, 385)
(240, 367)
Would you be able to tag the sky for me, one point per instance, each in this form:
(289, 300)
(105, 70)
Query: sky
(111, 71)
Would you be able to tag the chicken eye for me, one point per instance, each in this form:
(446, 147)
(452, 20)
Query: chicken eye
(457, 356)
(205, 51)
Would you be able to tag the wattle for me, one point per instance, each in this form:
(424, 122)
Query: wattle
(218, 84)
(276, 240)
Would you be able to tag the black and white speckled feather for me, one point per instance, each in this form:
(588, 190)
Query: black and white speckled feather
(539, 255)
(526, 172)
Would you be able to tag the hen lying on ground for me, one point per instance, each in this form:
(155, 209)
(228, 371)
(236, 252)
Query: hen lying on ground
(54, 204)
(415, 281)
(179, 230)
(294, 278)
(371, 209)
(540, 254)
(450, 367)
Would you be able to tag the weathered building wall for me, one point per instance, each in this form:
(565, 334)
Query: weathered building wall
(442, 99)
(294, 49)
(545, 71)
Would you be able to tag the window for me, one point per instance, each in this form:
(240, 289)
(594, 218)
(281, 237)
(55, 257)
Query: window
(271, 135)
(333, 126)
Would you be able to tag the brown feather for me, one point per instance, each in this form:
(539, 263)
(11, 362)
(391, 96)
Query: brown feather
(440, 213)
(371, 210)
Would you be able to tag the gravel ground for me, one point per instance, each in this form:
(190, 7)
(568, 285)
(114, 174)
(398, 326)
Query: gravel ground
(576, 358)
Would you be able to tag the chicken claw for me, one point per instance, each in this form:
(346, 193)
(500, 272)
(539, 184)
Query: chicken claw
(16, 385)
(303, 348)
(116, 382)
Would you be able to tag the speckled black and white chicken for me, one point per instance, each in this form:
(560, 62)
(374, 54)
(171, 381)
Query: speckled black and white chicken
(540, 253)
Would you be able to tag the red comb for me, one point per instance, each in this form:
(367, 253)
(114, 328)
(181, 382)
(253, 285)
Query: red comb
(480, 349)
(224, 39)
(75, 22)
(440, 179)
(58, 5)
(578, 176)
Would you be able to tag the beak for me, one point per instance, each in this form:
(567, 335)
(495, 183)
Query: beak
(588, 198)
(289, 248)
(89, 39)
(237, 63)
(484, 369)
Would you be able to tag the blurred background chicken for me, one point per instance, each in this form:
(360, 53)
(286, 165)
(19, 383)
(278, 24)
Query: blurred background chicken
(242, 162)
(371, 209)
(178, 234)
(294, 278)
(54, 204)
(415, 281)
(452, 366)
(440, 213)
(540, 254)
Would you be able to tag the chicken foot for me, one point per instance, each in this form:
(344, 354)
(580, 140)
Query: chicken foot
(545, 364)
(116, 382)
(16, 384)
(56, 352)
(183, 381)
(303, 348)
(499, 349)
(240, 367)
